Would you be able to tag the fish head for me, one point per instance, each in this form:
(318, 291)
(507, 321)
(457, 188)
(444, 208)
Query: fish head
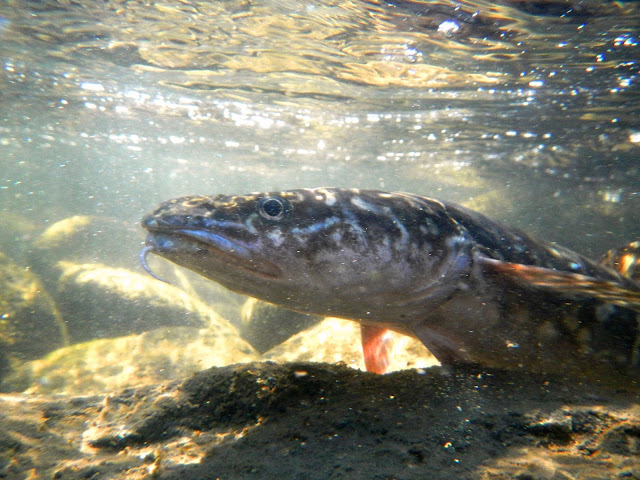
(342, 252)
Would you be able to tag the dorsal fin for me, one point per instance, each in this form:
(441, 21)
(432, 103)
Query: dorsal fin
(566, 283)
(625, 260)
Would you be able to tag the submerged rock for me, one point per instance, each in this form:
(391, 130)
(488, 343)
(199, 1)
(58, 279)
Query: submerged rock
(100, 301)
(85, 239)
(335, 340)
(108, 246)
(111, 364)
(30, 324)
(62, 234)
(265, 325)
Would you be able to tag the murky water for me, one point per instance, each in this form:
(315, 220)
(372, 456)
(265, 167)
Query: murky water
(111, 107)
(526, 111)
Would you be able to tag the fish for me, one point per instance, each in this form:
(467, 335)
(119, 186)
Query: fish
(471, 289)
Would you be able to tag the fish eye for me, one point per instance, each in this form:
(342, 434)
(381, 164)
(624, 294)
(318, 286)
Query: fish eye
(272, 208)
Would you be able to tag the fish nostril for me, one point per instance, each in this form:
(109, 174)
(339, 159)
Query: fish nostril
(148, 221)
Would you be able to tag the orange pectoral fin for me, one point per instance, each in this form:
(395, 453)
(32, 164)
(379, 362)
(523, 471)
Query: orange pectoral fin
(377, 347)
(566, 283)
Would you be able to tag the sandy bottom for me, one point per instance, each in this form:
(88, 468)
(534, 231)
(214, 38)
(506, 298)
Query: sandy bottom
(320, 421)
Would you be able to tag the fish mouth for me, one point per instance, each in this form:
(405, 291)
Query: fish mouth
(212, 255)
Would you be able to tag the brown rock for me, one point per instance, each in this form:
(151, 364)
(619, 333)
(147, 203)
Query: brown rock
(108, 365)
(30, 324)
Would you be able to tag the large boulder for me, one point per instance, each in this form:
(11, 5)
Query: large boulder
(99, 301)
(110, 364)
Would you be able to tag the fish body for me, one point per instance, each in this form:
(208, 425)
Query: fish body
(471, 289)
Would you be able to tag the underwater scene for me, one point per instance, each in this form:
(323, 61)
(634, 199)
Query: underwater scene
(439, 280)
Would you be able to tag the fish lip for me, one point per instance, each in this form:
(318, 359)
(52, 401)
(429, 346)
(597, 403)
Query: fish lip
(225, 251)
(218, 242)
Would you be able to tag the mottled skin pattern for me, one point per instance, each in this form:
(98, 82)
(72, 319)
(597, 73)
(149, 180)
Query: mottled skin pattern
(453, 278)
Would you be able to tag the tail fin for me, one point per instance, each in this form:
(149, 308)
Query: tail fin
(625, 260)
